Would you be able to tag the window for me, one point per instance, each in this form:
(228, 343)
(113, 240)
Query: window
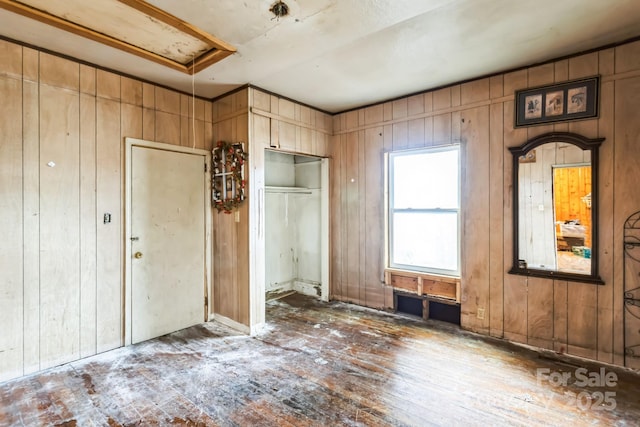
(424, 210)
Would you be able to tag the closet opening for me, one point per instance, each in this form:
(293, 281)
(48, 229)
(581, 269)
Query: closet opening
(296, 225)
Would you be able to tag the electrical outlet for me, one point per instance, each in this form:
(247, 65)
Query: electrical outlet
(480, 313)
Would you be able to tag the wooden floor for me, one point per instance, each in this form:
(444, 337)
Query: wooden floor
(320, 364)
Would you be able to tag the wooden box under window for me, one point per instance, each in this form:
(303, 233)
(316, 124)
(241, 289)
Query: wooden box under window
(424, 284)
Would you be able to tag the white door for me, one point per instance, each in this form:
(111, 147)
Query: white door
(167, 241)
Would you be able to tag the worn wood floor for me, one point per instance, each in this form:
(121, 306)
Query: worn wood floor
(319, 364)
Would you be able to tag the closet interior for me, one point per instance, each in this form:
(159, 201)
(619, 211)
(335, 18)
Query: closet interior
(296, 231)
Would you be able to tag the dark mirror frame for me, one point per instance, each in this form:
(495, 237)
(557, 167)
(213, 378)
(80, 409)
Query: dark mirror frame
(580, 141)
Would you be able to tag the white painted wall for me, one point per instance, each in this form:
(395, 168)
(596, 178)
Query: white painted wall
(279, 169)
(280, 243)
(308, 229)
(307, 174)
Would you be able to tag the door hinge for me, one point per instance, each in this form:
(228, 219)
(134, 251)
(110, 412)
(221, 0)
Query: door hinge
(205, 167)
(206, 301)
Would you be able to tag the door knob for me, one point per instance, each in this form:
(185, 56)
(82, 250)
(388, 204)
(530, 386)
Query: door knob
(137, 255)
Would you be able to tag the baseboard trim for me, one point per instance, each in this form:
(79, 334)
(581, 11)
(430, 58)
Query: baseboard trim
(231, 323)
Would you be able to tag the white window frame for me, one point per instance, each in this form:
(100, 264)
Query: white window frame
(389, 211)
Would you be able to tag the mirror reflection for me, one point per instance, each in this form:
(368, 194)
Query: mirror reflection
(554, 181)
(555, 209)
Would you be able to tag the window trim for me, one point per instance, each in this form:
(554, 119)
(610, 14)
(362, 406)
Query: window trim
(389, 211)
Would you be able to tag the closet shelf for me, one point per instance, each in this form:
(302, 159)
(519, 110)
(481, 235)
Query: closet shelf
(299, 190)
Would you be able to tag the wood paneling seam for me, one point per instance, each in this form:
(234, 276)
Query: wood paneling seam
(620, 76)
(428, 114)
(61, 88)
(229, 116)
(287, 120)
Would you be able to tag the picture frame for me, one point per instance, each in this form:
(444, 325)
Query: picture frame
(573, 100)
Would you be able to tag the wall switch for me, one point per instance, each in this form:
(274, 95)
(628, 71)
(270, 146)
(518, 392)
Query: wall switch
(480, 313)
(541, 208)
(237, 214)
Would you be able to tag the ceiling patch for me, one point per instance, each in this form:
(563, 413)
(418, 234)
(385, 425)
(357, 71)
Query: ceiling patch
(134, 26)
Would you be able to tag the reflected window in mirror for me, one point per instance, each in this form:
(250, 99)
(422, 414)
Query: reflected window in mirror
(555, 207)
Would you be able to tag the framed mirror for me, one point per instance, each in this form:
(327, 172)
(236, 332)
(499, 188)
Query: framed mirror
(555, 207)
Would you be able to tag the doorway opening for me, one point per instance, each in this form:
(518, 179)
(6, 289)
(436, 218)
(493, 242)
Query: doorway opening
(572, 213)
(296, 225)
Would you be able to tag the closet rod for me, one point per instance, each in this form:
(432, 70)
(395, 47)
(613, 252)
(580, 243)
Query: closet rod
(289, 190)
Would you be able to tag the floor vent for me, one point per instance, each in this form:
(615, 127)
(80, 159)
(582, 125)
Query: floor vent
(409, 304)
(415, 306)
(445, 312)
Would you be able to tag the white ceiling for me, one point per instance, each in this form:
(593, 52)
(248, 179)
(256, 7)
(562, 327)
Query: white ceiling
(341, 54)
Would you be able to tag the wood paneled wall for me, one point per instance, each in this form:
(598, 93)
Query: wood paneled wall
(263, 121)
(287, 126)
(231, 231)
(62, 127)
(576, 318)
(61, 279)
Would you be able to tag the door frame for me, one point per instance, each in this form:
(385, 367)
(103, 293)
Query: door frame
(325, 255)
(129, 144)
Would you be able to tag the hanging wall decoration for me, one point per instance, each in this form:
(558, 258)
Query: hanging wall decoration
(572, 100)
(228, 182)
